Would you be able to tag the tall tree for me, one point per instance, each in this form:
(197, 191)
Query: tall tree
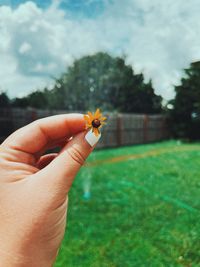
(98, 80)
(104, 81)
(36, 99)
(186, 112)
(4, 100)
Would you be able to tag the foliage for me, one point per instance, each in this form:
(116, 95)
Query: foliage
(107, 82)
(4, 100)
(186, 113)
(141, 212)
(20, 102)
(98, 81)
(36, 99)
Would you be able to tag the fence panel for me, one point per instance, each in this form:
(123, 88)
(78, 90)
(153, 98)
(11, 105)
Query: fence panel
(121, 129)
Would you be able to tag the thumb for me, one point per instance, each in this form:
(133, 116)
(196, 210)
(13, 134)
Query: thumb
(61, 172)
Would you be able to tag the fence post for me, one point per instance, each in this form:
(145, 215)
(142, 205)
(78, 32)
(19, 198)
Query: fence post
(164, 131)
(119, 130)
(30, 115)
(145, 128)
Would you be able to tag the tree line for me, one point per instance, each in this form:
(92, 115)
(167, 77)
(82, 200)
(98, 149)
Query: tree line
(95, 81)
(107, 82)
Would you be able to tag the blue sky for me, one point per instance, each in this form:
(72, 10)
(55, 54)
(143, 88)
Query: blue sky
(39, 39)
(88, 8)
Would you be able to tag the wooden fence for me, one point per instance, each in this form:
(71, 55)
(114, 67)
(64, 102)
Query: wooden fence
(121, 129)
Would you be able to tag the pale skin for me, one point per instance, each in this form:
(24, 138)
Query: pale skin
(34, 188)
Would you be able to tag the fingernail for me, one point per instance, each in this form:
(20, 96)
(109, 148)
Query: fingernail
(91, 138)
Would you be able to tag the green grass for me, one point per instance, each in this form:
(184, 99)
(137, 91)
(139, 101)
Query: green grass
(142, 212)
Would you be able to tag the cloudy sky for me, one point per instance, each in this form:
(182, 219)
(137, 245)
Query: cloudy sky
(39, 39)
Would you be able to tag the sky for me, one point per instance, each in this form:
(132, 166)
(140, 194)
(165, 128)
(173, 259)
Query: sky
(40, 39)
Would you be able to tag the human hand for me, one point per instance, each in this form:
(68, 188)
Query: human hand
(33, 188)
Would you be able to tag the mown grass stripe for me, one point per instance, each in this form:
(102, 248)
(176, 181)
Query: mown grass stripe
(165, 198)
(152, 153)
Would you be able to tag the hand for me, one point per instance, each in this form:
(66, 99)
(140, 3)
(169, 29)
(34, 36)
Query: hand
(33, 188)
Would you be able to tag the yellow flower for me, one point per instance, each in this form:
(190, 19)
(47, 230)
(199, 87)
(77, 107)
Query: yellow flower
(94, 121)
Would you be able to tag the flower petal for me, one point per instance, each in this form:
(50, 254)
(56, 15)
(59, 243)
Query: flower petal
(96, 131)
(91, 116)
(88, 126)
(97, 114)
(86, 118)
(103, 118)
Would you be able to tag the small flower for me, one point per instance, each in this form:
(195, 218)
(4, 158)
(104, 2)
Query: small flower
(94, 121)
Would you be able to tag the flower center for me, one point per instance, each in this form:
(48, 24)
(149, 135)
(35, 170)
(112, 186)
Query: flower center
(96, 123)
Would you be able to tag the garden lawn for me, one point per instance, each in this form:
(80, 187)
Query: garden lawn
(144, 208)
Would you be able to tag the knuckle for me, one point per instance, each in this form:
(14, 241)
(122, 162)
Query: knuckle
(76, 155)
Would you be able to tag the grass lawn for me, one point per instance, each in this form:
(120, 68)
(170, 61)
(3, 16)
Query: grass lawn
(144, 208)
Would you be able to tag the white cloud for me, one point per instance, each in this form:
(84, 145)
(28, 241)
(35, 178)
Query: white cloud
(160, 38)
(25, 48)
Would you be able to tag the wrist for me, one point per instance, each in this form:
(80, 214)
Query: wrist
(11, 258)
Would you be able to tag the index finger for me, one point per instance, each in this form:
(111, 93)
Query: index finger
(35, 136)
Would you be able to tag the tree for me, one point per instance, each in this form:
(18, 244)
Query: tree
(107, 82)
(37, 99)
(186, 112)
(20, 102)
(4, 100)
(98, 80)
